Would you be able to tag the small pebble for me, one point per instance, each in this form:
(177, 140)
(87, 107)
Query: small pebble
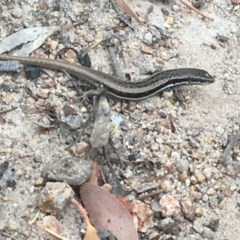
(208, 233)
(199, 176)
(199, 212)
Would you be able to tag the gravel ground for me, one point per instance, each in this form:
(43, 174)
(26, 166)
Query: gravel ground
(199, 197)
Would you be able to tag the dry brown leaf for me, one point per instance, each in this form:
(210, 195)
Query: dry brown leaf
(107, 213)
(91, 233)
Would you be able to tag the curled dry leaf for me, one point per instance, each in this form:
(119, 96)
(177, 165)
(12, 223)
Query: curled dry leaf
(107, 213)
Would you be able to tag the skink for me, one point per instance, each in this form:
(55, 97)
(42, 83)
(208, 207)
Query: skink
(120, 89)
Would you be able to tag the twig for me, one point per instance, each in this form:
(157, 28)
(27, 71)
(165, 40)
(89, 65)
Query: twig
(81, 209)
(188, 4)
(30, 222)
(91, 232)
(6, 111)
(152, 194)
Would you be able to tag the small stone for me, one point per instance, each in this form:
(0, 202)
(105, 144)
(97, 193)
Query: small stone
(166, 186)
(187, 209)
(199, 176)
(144, 116)
(165, 123)
(211, 8)
(183, 176)
(52, 43)
(208, 172)
(188, 182)
(167, 94)
(12, 226)
(199, 212)
(19, 172)
(143, 213)
(211, 191)
(156, 207)
(54, 197)
(83, 109)
(156, 19)
(72, 170)
(128, 173)
(221, 205)
(17, 12)
(80, 149)
(237, 216)
(193, 180)
(74, 121)
(148, 38)
(176, 8)
(169, 166)
(208, 233)
(169, 21)
(198, 3)
(169, 206)
(42, 93)
(232, 171)
(39, 182)
(227, 192)
(165, 56)
(154, 147)
(205, 198)
(196, 155)
(167, 150)
(197, 226)
(197, 195)
(166, 223)
(182, 166)
(153, 235)
(214, 225)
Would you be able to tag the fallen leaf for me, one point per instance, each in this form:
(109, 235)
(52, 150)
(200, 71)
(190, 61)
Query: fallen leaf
(107, 213)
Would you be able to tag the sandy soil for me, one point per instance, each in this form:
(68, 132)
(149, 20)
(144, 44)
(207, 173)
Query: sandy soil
(211, 109)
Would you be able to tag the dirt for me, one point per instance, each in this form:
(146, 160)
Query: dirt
(211, 109)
